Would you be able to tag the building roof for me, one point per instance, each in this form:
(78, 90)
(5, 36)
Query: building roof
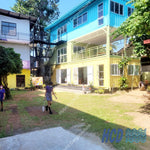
(70, 13)
(17, 15)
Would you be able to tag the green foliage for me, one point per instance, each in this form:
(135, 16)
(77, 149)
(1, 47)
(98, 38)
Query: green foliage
(32, 87)
(45, 10)
(123, 62)
(123, 83)
(100, 91)
(137, 26)
(10, 63)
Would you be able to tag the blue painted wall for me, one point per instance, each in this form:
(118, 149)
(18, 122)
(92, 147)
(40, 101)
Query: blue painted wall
(92, 20)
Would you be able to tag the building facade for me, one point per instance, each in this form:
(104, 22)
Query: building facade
(87, 53)
(15, 33)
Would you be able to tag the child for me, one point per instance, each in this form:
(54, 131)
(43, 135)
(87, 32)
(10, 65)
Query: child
(2, 96)
(48, 94)
(83, 89)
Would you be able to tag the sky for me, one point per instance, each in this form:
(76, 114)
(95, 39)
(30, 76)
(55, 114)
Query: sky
(64, 5)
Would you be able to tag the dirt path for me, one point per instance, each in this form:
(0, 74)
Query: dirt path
(142, 115)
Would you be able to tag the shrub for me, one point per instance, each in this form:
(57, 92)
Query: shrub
(123, 83)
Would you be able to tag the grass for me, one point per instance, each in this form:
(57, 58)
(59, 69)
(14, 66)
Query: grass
(71, 109)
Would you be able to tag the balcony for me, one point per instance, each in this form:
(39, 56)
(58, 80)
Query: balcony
(89, 53)
(19, 37)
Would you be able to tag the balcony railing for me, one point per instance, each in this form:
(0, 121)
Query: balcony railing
(89, 53)
(19, 37)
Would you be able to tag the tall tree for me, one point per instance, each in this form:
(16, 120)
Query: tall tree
(10, 63)
(46, 12)
(137, 26)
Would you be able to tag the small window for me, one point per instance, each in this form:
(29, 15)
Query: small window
(100, 14)
(121, 9)
(116, 8)
(61, 55)
(112, 6)
(79, 20)
(75, 22)
(130, 11)
(133, 70)
(100, 21)
(115, 69)
(61, 31)
(85, 17)
(8, 28)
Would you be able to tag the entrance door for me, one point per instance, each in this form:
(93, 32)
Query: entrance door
(20, 80)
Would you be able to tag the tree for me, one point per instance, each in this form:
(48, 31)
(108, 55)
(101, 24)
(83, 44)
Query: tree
(10, 63)
(137, 26)
(46, 12)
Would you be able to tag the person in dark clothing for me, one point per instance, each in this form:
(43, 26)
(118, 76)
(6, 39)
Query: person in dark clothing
(48, 94)
(2, 96)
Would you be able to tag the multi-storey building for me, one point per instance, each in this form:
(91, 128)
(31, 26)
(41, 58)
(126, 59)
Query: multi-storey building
(87, 54)
(15, 33)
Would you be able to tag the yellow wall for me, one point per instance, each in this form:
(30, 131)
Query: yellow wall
(95, 62)
(131, 80)
(12, 78)
(109, 80)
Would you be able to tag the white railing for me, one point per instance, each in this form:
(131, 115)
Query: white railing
(89, 53)
(19, 36)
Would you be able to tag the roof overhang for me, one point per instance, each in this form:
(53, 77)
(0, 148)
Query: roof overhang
(74, 11)
(18, 15)
(97, 37)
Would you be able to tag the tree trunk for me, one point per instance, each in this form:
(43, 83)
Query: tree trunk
(5, 84)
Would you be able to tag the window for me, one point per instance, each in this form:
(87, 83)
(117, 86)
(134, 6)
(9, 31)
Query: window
(101, 75)
(8, 28)
(116, 8)
(78, 49)
(20, 80)
(133, 70)
(85, 17)
(100, 14)
(82, 75)
(115, 69)
(80, 20)
(64, 76)
(61, 55)
(130, 11)
(61, 31)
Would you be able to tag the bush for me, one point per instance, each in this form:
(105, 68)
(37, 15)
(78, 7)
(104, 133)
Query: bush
(123, 83)
(99, 91)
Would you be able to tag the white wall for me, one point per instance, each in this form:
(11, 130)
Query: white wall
(24, 50)
(22, 28)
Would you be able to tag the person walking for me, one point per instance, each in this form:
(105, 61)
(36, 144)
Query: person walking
(48, 94)
(2, 96)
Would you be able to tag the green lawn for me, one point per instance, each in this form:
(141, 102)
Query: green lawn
(69, 109)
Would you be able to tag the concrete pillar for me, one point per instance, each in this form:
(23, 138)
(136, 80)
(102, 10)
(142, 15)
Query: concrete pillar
(108, 59)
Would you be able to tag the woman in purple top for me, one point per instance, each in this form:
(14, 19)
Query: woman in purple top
(48, 95)
(2, 96)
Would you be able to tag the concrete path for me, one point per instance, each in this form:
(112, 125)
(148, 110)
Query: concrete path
(49, 139)
(61, 89)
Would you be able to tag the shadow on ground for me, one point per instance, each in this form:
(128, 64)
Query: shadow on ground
(26, 115)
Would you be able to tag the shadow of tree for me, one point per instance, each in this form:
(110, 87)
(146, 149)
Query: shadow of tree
(32, 118)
